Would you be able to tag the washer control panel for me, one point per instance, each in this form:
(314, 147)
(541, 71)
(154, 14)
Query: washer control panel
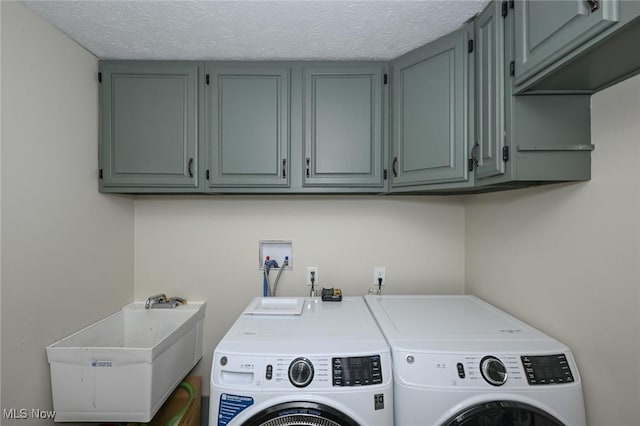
(357, 371)
(299, 372)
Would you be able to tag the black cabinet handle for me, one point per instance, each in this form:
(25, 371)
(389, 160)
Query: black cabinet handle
(394, 167)
(474, 151)
(284, 168)
(308, 163)
(474, 154)
(190, 167)
(593, 5)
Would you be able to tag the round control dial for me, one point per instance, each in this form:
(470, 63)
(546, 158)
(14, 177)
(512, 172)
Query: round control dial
(493, 371)
(300, 372)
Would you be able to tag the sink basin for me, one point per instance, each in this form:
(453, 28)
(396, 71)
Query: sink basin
(123, 367)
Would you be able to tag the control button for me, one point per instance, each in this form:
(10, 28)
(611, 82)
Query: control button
(461, 371)
(223, 361)
(269, 374)
(493, 371)
(300, 372)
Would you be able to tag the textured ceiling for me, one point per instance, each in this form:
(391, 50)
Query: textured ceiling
(243, 30)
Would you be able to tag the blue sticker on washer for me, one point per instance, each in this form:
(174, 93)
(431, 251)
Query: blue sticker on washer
(231, 406)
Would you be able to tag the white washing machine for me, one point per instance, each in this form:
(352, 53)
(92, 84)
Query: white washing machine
(297, 361)
(458, 360)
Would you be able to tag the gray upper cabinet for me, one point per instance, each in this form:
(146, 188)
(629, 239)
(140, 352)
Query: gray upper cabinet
(247, 125)
(343, 125)
(574, 46)
(547, 30)
(490, 66)
(504, 102)
(149, 126)
(523, 140)
(431, 96)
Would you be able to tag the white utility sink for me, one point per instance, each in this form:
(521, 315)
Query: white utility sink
(123, 367)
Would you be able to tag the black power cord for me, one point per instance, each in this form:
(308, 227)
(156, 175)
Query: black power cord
(313, 281)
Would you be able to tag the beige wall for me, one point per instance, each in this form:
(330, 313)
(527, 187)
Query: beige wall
(567, 258)
(66, 251)
(207, 248)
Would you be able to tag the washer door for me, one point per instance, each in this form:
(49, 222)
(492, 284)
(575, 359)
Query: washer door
(503, 413)
(300, 413)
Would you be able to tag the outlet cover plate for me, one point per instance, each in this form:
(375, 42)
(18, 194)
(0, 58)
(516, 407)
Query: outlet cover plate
(308, 276)
(379, 272)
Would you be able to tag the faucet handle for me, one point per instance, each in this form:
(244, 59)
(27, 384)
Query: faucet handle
(175, 301)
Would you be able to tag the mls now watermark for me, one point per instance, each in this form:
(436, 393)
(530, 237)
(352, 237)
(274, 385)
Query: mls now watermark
(25, 414)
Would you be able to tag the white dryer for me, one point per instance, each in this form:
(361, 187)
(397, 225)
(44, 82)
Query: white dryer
(288, 361)
(460, 361)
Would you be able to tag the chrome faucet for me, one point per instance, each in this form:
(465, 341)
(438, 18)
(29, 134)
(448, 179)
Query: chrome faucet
(161, 301)
(153, 300)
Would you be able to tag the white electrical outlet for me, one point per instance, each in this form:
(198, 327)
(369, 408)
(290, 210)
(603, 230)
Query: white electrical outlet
(312, 270)
(379, 272)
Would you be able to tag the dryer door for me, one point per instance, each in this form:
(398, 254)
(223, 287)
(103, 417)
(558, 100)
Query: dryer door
(503, 413)
(300, 413)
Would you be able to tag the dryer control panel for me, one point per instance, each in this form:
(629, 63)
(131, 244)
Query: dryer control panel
(484, 370)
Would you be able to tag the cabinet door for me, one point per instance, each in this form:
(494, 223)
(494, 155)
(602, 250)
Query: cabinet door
(430, 95)
(547, 30)
(149, 126)
(343, 126)
(490, 113)
(247, 125)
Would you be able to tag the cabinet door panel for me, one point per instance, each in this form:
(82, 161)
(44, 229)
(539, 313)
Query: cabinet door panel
(248, 127)
(343, 126)
(247, 111)
(490, 124)
(149, 124)
(133, 98)
(547, 30)
(427, 105)
(430, 95)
